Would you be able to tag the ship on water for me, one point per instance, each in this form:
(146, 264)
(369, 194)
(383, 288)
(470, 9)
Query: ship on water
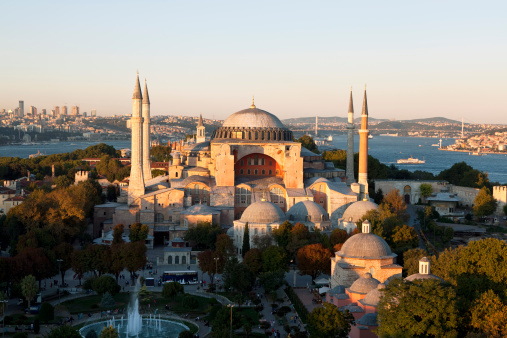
(411, 160)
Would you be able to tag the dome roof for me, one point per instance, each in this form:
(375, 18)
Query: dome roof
(366, 245)
(373, 296)
(357, 210)
(263, 212)
(301, 210)
(253, 118)
(422, 276)
(364, 284)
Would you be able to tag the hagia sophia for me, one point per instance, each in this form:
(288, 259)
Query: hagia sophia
(250, 170)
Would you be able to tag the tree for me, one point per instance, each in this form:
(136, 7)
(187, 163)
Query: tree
(29, 288)
(464, 175)
(104, 284)
(425, 190)
(404, 238)
(505, 210)
(62, 181)
(394, 203)
(273, 259)
(299, 237)
(171, 289)
(111, 194)
(262, 242)
(145, 295)
(423, 308)
(329, 321)
(314, 259)
(107, 301)
(64, 252)
(246, 240)
(253, 259)
(272, 280)
(203, 235)
(118, 230)
(161, 153)
(222, 321)
(238, 276)
(63, 331)
(484, 203)
(186, 334)
(36, 326)
(47, 312)
(109, 332)
(117, 263)
(411, 260)
(224, 246)
(338, 236)
(308, 142)
(282, 233)
(134, 256)
(210, 262)
(138, 232)
(489, 315)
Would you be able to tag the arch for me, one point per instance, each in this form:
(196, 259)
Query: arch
(264, 164)
(176, 259)
(277, 196)
(169, 259)
(407, 190)
(243, 195)
(159, 217)
(184, 259)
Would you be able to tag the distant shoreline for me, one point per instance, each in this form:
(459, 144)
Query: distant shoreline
(471, 151)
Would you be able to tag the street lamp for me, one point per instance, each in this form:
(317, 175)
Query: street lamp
(3, 324)
(231, 306)
(294, 267)
(60, 273)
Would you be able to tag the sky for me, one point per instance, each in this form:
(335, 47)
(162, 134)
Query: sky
(299, 58)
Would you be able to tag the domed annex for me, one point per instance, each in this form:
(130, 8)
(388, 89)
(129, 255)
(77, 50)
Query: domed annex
(362, 253)
(373, 296)
(354, 213)
(310, 214)
(261, 218)
(364, 284)
(424, 272)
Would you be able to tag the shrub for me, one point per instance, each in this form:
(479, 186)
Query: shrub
(171, 289)
(104, 284)
(20, 335)
(88, 283)
(185, 334)
(36, 325)
(190, 302)
(91, 334)
(107, 301)
(47, 312)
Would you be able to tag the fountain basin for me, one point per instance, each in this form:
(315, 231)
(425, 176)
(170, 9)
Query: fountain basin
(151, 328)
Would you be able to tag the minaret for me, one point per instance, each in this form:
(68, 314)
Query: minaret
(201, 131)
(350, 143)
(363, 150)
(146, 134)
(136, 181)
(316, 126)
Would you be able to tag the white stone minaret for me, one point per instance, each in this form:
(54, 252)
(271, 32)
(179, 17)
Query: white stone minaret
(146, 134)
(363, 150)
(350, 143)
(136, 181)
(201, 131)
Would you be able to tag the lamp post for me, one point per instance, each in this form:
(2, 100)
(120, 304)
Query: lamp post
(216, 273)
(3, 324)
(231, 306)
(60, 273)
(294, 267)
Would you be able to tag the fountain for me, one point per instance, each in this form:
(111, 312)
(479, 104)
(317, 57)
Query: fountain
(135, 325)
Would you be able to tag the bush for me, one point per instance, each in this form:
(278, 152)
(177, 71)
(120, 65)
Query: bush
(47, 312)
(88, 283)
(36, 325)
(91, 334)
(104, 284)
(190, 302)
(212, 301)
(63, 331)
(171, 289)
(185, 334)
(107, 301)
(20, 335)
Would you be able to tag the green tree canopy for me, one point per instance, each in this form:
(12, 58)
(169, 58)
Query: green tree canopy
(272, 280)
(253, 259)
(238, 276)
(246, 241)
(171, 289)
(104, 284)
(423, 308)
(29, 288)
(161, 153)
(203, 235)
(464, 175)
(138, 232)
(308, 142)
(484, 203)
(63, 331)
(329, 321)
(274, 259)
(425, 189)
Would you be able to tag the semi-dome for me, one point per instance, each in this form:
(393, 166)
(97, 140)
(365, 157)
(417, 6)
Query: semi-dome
(364, 284)
(253, 124)
(357, 210)
(373, 296)
(366, 245)
(263, 212)
(307, 211)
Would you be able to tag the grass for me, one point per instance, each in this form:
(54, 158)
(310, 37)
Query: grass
(92, 303)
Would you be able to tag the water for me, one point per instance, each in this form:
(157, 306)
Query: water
(389, 149)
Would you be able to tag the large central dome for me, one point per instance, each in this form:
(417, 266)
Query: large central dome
(253, 118)
(252, 124)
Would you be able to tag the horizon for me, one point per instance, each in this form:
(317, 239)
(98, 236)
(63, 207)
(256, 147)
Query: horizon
(298, 59)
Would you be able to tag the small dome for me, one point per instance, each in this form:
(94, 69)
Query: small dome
(299, 212)
(422, 276)
(357, 210)
(263, 212)
(372, 298)
(253, 118)
(230, 232)
(364, 284)
(366, 245)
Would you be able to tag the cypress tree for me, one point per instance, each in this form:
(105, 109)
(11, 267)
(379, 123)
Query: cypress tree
(246, 241)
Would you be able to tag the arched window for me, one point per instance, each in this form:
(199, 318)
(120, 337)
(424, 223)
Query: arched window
(262, 161)
(241, 163)
(241, 171)
(159, 217)
(256, 160)
(270, 172)
(243, 196)
(204, 200)
(196, 188)
(169, 259)
(277, 196)
(248, 171)
(185, 222)
(256, 172)
(263, 172)
(177, 260)
(176, 174)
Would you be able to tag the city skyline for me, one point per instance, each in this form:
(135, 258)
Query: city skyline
(298, 59)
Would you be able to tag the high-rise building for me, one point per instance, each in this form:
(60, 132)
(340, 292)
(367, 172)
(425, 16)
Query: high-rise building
(75, 110)
(43, 112)
(22, 108)
(57, 111)
(94, 112)
(33, 111)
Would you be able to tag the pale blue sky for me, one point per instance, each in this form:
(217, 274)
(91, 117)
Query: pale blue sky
(299, 58)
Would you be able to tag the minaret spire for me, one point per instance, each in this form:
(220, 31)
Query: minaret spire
(136, 181)
(201, 131)
(350, 143)
(363, 149)
(253, 102)
(137, 89)
(146, 133)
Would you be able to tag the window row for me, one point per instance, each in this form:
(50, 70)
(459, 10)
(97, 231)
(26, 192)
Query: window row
(256, 172)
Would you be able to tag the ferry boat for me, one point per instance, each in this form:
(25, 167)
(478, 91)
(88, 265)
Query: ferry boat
(411, 160)
(370, 136)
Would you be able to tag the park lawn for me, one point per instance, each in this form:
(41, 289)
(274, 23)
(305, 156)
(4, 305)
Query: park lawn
(178, 305)
(92, 303)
